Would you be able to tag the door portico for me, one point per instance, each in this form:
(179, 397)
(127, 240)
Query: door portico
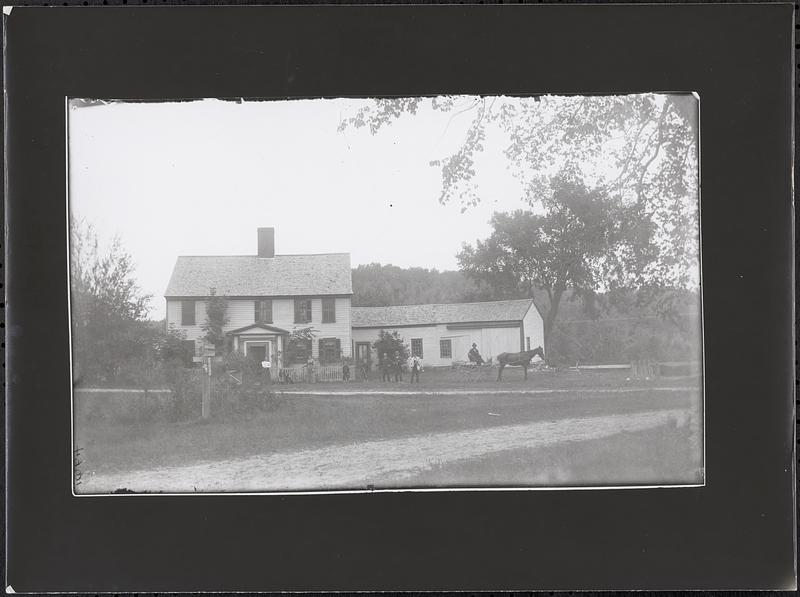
(260, 341)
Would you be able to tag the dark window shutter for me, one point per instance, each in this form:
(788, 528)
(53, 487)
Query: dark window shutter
(338, 349)
(321, 351)
(297, 311)
(328, 310)
(257, 315)
(187, 312)
(268, 311)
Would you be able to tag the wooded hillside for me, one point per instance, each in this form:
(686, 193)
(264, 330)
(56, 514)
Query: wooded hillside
(659, 323)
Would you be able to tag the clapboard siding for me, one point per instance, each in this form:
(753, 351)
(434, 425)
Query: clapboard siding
(241, 313)
(490, 341)
(533, 326)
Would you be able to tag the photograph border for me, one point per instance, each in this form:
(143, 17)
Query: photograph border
(736, 532)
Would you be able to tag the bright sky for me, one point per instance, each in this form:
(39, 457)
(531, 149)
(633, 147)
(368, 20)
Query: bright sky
(198, 178)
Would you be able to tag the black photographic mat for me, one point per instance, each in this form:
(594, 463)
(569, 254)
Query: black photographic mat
(736, 532)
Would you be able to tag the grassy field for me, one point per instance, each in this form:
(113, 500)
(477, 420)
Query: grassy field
(513, 378)
(669, 454)
(304, 422)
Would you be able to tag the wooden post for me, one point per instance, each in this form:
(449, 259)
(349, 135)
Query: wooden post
(206, 407)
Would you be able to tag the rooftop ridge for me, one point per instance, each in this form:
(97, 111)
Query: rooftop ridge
(444, 304)
(277, 255)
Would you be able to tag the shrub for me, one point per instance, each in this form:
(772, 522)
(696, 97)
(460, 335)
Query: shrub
(392, 345)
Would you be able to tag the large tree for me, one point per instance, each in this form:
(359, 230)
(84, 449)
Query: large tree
(562, 249)
(640, 148)
(109, 327)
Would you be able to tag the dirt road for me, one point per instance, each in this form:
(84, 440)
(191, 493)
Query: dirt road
(358, 465)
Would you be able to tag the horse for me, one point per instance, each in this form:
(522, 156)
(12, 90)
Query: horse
(518, 358)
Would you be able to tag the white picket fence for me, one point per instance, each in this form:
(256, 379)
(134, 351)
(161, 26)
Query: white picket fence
(311, 374)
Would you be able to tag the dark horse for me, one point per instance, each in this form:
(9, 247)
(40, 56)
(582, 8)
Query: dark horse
(522, 359)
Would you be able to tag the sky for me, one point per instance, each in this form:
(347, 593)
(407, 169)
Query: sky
(198, 178)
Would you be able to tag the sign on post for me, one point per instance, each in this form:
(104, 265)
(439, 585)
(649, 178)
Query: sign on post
(206, 405)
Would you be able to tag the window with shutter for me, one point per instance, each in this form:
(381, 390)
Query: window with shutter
(302, 310)
(187, 313)
(416, 347)
(263, 311)
(329, 310)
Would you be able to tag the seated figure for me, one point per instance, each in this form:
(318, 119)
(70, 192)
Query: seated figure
(474, 356)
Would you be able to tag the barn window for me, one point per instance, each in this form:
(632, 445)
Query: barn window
(446, 349)
(302, 310)
(329, 310)
(187, 313)
(416, 347)
(263, 311)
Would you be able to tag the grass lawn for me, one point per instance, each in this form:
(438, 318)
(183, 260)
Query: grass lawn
(301, 422)
(513, 379)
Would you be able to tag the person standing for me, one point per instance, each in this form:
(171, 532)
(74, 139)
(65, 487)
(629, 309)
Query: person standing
(397, 365)
(345, 372)
(384, 367)
(416, 367)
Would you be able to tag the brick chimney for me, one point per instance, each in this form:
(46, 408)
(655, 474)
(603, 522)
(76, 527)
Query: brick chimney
(266, 242)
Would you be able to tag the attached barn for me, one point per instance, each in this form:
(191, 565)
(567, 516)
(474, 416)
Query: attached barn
(443, 334)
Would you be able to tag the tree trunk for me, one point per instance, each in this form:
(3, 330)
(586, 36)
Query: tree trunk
(550, 320)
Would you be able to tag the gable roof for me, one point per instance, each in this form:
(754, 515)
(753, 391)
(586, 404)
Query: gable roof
(248, 275)
(407, 315)
(255, 327)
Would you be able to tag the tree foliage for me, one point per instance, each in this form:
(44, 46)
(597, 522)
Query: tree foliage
(376, 285)
(563, 249)
(391, 348)
(299, 345)
(170, 345)
(216, 319)
(109, 329)
(640, 148)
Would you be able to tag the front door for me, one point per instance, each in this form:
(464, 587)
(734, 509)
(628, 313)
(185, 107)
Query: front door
(257, 352)
(363, 355)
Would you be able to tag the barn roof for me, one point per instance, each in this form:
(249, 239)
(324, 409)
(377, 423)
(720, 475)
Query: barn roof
(408, 315)
(248, 275)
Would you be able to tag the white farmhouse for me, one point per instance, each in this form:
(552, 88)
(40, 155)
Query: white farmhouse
(270, 295)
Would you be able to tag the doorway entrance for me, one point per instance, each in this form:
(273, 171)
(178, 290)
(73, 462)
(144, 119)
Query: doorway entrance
(363, 355)
(258, 350)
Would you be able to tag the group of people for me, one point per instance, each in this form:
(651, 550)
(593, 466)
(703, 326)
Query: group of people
(391, 365)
